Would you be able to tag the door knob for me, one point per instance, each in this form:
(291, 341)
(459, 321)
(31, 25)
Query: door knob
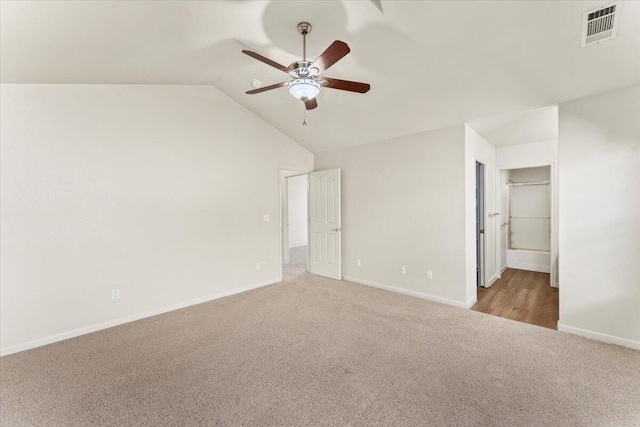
(337, 229)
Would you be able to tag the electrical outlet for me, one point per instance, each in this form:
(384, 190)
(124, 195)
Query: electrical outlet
(429, 274)
(358, 263)
(115, 293)
(257, 266)
(266, 218)
(403, 270)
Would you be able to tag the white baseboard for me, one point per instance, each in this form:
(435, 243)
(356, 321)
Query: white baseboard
(611, 339)
(471, 302)
(111, 323)
(503, 269)
(412, 293)
(529, 267)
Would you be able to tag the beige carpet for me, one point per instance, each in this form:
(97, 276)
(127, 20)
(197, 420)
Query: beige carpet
(314, 351)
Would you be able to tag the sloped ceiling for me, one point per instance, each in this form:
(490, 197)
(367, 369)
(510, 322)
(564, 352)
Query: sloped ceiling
(521, 128)
(430, 64)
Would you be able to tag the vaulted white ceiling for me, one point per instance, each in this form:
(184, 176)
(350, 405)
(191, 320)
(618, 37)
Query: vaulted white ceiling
(430, 64)
(521, 128)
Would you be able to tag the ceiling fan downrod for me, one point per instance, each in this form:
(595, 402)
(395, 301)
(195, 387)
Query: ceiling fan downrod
(304, 28)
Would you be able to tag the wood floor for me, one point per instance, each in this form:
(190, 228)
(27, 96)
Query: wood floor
(525, 296)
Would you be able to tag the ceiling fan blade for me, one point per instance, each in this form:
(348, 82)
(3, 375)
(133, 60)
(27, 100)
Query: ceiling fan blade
(311, 103)
(345, 85)
(333, 54)
(266, 88)
(266, 60)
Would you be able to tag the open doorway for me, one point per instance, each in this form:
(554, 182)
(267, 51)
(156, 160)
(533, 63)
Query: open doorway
(525, 290)
(310, 218)
(294, 218)
(521, 236)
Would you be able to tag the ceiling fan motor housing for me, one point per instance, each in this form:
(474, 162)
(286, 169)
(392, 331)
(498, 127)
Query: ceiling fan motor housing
(301, 69)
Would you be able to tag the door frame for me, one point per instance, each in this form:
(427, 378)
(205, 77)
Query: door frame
(282, 215)
(554, 205)
(482, 266)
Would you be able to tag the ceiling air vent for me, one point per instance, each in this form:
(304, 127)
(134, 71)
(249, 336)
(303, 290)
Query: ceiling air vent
(600, 24)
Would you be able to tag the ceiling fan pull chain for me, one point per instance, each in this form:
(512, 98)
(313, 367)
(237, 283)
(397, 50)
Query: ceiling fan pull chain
(304, 117)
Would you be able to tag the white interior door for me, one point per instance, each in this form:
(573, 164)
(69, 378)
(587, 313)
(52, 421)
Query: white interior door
(324, 224)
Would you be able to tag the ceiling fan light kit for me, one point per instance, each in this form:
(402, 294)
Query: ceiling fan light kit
(306, 82)
(304, 89)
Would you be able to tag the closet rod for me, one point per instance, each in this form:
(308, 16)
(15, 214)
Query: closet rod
(529, 183)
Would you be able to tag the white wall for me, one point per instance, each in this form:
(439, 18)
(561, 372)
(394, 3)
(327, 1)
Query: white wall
(479, 150)
(530, 156)
(527, 155)
(403, 204)
(530, 201)
(540, 173)
(529, 260)
(599, 157)
(159, 191)
(297, 205)
(533, 200)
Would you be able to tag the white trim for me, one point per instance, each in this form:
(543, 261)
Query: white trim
(447, 301)
(485, 217)
(611, 339)
(519, 265)
(478, 158)
(497, 205)
(492, 280)
(470, 303)
(284, 222)
(502, 270)
(111, 323)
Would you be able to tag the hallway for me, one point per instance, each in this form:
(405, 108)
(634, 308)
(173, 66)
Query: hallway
(297, 263)
(521, 295)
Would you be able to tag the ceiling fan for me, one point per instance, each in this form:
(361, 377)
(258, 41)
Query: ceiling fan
(306, 82)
